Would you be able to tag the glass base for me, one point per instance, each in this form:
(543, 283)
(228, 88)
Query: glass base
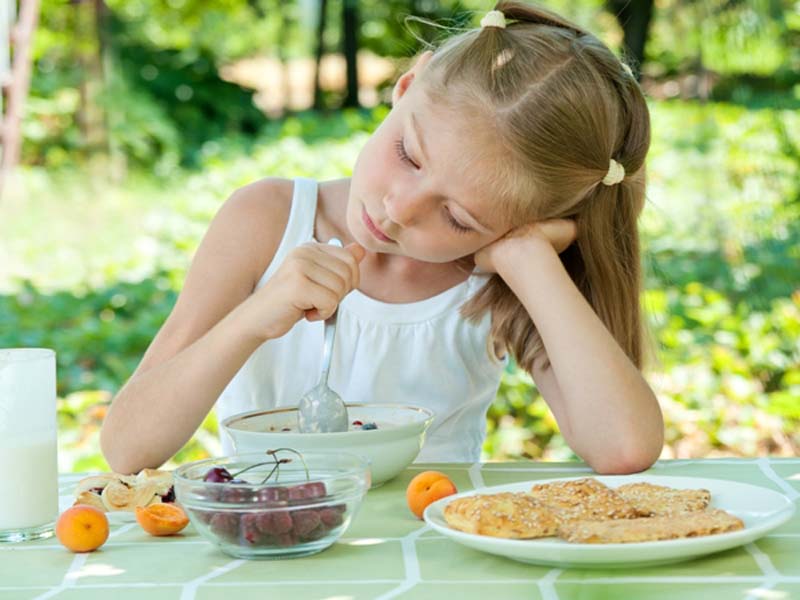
(28, 534)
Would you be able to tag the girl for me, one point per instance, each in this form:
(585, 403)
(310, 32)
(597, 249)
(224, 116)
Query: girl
(517, 148)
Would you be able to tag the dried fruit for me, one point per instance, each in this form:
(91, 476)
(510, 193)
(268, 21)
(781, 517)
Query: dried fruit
(161, 519)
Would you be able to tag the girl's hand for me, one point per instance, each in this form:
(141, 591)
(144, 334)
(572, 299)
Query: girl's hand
(310, 283)
(557, 233)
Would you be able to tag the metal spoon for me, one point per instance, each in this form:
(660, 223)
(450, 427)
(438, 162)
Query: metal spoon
(321, 410)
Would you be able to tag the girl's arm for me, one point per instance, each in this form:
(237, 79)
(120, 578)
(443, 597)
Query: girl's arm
(218, 321)
(606, 411)
(203, 342)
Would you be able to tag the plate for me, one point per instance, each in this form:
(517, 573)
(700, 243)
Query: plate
(761, 509)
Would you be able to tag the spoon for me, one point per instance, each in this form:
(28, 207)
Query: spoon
(321, 410)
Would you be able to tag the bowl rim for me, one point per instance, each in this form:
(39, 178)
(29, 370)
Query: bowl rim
(179, 473)
(228, 422)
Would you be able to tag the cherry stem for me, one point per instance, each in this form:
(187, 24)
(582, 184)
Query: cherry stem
(305, 466)
(235, 475)
(276, 468)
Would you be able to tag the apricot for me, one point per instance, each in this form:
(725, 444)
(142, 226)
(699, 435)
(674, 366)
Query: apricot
(427, 487)
(161, 519)
(82, 528)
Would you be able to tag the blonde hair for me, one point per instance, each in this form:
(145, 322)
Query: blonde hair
(557, 105)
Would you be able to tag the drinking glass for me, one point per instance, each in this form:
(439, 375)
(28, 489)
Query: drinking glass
(28, 455)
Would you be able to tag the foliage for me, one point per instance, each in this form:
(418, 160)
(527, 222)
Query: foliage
(721, 240)
(140, 80)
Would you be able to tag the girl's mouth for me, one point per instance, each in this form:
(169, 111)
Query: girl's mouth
(373, 229)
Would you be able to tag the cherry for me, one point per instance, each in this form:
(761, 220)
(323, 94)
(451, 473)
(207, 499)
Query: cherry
(218, 475)
(330, 516)
(281, 522)
(272, 495)
(250, 531)
(307, 491)
(305, 521)
(225, 526)
(169, 496)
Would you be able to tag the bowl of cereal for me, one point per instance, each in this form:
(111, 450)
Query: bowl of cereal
(389, 436)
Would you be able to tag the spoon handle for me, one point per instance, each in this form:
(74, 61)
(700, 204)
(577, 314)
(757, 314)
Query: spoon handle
(330, 333)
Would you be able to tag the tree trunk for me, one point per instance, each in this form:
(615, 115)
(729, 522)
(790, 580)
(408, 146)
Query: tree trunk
(320, 50)
(283, 42)
(21, 38)
(350, 50)
(634, 17)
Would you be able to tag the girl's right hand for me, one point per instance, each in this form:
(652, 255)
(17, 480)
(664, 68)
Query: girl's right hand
(311, 282)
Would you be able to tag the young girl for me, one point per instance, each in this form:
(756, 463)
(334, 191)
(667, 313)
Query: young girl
(518, 148)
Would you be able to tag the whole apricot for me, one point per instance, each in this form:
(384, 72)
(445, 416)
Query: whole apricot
(427, 487)
(82, 528)
(161, 519)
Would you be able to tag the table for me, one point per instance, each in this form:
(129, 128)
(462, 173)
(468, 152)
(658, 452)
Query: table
(387, 553)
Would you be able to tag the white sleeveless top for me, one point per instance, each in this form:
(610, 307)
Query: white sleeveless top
(419, 353)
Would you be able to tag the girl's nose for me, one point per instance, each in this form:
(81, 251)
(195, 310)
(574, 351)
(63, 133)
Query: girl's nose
(405, 209)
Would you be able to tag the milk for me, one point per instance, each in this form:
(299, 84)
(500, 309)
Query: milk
(28, 481)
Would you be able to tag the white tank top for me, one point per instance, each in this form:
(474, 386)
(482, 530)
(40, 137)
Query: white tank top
(420, 353)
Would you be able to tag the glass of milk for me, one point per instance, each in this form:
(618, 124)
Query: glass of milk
(28, 457)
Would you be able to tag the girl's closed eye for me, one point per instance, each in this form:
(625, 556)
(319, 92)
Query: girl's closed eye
(455, 224)
(401, 152)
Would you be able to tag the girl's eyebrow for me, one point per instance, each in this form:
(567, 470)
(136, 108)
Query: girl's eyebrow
(421, 143)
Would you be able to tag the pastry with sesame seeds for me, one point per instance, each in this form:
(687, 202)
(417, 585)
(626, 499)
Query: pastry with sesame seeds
(649, 529)
(504, 515)
(651, 500)
(585, 499)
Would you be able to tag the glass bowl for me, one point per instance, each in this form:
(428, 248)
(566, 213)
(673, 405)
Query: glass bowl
(392, 445)
(299, 508)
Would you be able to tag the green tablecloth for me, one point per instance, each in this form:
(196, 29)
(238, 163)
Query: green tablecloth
(387, 553)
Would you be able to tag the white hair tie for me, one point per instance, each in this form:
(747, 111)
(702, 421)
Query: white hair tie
(616, 173)
(494, 18)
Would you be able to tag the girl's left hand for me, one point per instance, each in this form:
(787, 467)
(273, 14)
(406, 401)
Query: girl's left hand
(558, 233)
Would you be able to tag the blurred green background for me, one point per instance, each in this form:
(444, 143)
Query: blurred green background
(144, 115)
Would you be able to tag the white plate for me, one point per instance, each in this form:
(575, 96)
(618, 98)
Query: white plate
(761, 509)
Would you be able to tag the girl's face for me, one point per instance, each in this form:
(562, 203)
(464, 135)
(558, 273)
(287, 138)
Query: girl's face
(414, 192)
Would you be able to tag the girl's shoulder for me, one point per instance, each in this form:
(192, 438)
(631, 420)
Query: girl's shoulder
(263, 199)
(254, 217)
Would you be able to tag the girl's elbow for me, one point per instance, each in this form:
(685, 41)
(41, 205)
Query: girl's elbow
(635, 459)
(118, 460)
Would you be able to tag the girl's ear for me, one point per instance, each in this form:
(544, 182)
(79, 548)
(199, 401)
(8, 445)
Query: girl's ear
(406, 78)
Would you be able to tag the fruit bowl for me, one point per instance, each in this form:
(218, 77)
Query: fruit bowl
(275, 504)
(389, 436)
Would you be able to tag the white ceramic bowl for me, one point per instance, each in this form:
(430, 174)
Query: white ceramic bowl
(389, 449)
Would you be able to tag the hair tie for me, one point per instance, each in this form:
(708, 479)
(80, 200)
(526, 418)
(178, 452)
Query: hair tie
(616, 173)
(494, 18)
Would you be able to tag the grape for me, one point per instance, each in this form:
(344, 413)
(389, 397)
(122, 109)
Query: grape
(218, 475)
